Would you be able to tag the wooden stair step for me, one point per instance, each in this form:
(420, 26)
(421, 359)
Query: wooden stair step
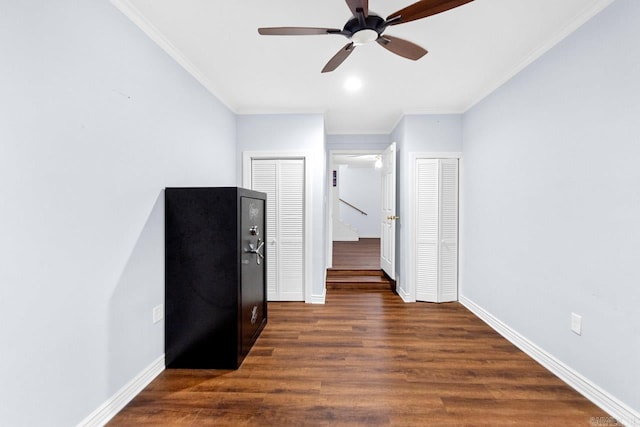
(332, 272)
(367, 279)
(358, 285)
(357, 279)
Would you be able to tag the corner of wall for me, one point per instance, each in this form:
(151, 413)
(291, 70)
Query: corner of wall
(122, 397)
(621, 412)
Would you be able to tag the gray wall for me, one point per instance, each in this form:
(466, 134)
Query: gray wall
(552, 201)
(373, 142)
(361, 187)
(95, 120)
(295, 133)
(417, 134)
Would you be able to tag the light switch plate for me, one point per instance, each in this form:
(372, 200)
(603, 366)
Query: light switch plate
(576, 323)
(158, 313)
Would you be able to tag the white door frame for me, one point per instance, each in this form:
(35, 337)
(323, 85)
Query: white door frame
(247, 157)
(410, 295)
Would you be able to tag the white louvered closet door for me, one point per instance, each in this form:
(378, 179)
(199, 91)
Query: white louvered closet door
(264, 178)
(426, 253)
(436, 221)
(283, 181)
(448, 250)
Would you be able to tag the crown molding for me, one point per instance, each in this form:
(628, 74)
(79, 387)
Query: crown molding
(580, 19)
(134, 14)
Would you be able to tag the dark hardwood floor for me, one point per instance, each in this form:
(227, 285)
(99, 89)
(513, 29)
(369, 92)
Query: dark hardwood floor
(361, 255)
(366, 358)
(356, 265)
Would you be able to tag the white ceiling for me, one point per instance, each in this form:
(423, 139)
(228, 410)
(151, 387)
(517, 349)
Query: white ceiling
(360, 160)
(473, 49)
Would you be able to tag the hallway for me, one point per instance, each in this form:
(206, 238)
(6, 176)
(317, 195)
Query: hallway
(361, 255)
(356, 265)
(365, 358)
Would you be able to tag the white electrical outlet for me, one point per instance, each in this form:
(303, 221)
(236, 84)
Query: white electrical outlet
(158, 313)
(576, 323)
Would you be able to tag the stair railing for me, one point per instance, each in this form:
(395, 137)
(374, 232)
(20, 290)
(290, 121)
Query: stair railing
(353, 207)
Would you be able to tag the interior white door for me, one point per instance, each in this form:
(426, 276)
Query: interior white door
(436, 226)
(264, 174)
(426, 230)
(290, 219)
(388, 215)
(448, 230)
(283, 182)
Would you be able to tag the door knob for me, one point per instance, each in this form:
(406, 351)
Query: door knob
(393, 217)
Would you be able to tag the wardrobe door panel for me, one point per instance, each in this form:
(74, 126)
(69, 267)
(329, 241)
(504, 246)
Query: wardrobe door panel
(252, 292)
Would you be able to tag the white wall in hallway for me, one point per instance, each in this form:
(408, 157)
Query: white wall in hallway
(552, 199)
(95, 121)
(424, 134)
(294, 133)
(360, 186)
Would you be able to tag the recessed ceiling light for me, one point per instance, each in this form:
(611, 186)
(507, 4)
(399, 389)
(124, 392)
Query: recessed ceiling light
(353, 84)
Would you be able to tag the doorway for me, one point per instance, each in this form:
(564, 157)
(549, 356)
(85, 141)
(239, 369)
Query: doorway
(357, 187)
(354, 208)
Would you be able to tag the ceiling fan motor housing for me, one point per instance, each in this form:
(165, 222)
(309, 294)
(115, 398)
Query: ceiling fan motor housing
(365, 30)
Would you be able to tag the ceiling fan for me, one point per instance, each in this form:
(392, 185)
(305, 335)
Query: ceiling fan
(365, 27)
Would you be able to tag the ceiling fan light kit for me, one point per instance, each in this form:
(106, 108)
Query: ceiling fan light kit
(364, 36)
(365, 27)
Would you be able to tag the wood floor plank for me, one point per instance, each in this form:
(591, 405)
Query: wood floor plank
(361, 254)
(366, 358)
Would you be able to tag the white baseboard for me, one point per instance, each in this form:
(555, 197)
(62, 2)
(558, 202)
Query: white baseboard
(406, 296)
(618, 410)
(115, 403)
(319, 299)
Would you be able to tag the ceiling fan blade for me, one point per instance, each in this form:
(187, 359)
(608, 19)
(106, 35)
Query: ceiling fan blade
(297, 31)
(422, 9)
(339, 58)
(354, 5)
(402, 47)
